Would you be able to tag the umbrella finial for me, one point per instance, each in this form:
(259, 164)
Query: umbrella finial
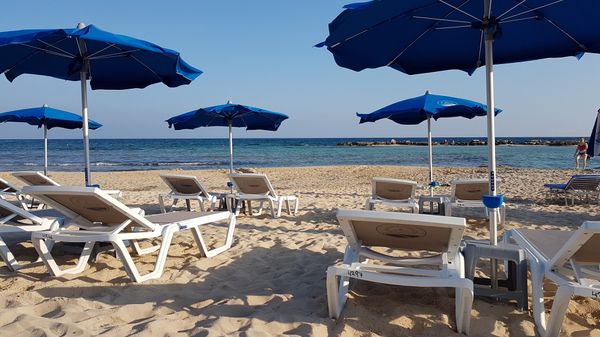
(45, 105)
(81, 25)
(427, 92)
(229, 102)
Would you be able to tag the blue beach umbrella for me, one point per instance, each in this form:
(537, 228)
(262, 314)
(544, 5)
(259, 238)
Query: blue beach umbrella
(594, 142)
(230, 115)
(108, 60)
(423, 108)
(423, 36)
(47, 118)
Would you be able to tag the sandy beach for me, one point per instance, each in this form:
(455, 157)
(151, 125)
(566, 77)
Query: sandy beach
(272, 281)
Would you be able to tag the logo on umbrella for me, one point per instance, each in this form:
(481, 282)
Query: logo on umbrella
(446, 103)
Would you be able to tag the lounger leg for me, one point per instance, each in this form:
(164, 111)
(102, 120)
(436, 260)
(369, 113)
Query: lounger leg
(537, 287)
(143, 251)
(334, 302)
(296, 206)
(204, 251)
(173, 204)
(43, 249)
(161, 203)
(287, 206)
(559, 308)
(464, 304)
(188, 204)
(448, 209)
(272, 205)
(129, 265)
(201, 204)
(279, 206)
(8, 257)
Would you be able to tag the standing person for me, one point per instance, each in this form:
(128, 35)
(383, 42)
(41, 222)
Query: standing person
(581, 152)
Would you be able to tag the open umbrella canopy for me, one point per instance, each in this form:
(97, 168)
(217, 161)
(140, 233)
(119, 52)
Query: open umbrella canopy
(51, 117)
(111, 61)
(422, 36)
(418, 109)
(236, 115)
(230, 115)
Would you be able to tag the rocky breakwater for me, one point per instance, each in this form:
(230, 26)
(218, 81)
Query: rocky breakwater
(462, 142)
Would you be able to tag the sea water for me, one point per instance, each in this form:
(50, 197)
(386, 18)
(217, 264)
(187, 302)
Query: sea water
(150, 154)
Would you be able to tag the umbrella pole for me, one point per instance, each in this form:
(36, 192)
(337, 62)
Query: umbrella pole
(85, 128)
(45, 148)
(430, 155)
(491, 135)
(230, 149)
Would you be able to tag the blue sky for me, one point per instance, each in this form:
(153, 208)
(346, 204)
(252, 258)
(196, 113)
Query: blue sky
(260, 53)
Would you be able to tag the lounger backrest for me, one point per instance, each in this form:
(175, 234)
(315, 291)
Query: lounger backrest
(584, 182)
(411, 232)
(252, 183)
(8, 209)
(183, 184)
(88, 206)
(7, 187)
(469, 190)
(582, 246)
(393, 189)
(33, 178)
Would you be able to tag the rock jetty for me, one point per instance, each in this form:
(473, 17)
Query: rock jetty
(463, 142)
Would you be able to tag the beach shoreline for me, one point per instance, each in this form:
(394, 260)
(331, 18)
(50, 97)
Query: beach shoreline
(272, 281)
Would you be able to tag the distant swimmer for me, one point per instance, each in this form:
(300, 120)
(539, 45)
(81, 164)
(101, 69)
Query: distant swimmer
(581, 153)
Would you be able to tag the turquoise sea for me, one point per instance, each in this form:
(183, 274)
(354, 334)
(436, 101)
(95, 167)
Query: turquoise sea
(148, 154)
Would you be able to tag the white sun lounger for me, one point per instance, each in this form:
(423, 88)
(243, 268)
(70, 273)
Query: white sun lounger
(188, 188)
(469, 193)
(105, 219)
(393, 192)
(570, 259)
(15, 220)
(257, 187)
(579, 184)
(8, 190)
(34, 178)
(408, 232)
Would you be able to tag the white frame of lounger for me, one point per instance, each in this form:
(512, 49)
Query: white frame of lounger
(176, 196)
(451, 274)
(114, 234)
(6, 227)
(271, 197)
(373, 200)
(455, 202)
(21, 174)
(571, 281)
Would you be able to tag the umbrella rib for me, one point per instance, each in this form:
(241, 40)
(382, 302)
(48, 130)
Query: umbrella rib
(103, 49)
(440, 19)
(53, 45)
(510, 9)
(150, 69)
(420, 36)
(533, 9)
(119, 54)
(508, 19)
(521, 19)
(453, 27)
(460, 10)
(581, 45)
(480, 49)
(51, 52)
(367, 29)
